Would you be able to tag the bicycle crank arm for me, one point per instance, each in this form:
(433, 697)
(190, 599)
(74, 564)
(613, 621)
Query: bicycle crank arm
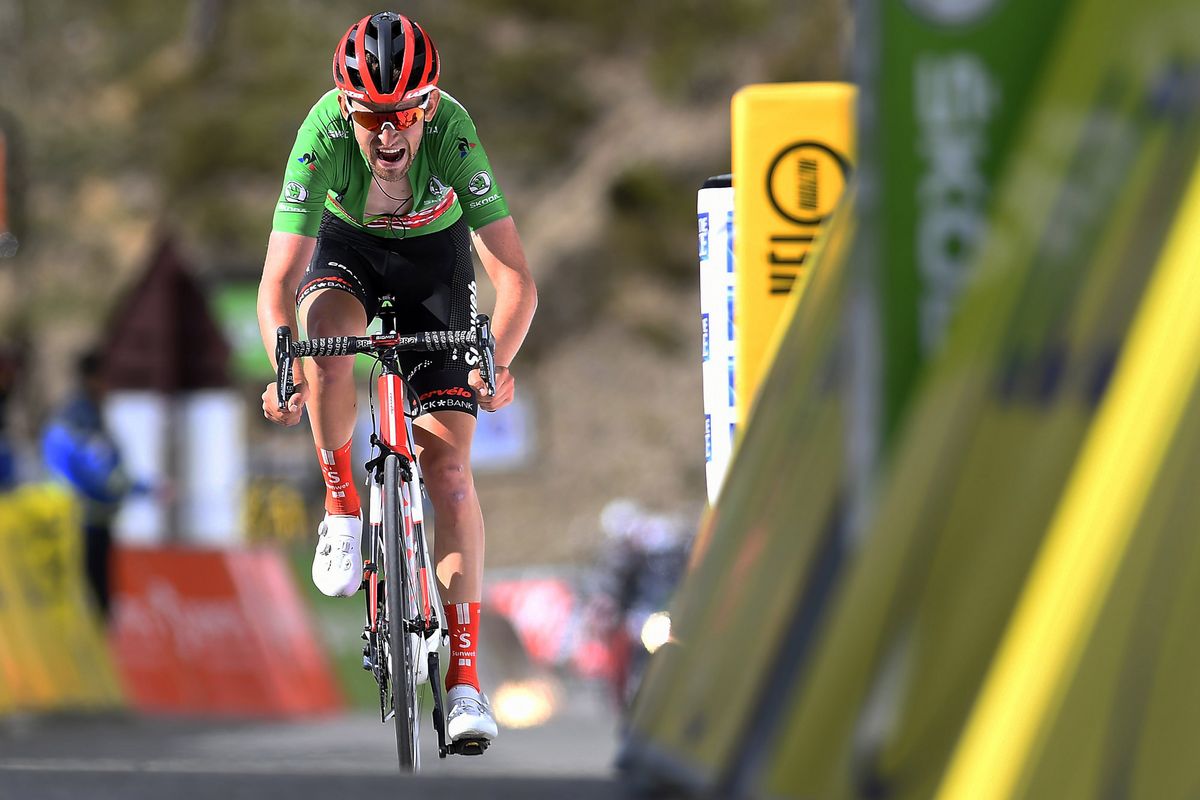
(439, 716)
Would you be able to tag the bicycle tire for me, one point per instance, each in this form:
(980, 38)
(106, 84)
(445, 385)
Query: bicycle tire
(403, 654)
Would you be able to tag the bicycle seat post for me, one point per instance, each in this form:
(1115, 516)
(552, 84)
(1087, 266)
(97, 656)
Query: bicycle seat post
(387, 314)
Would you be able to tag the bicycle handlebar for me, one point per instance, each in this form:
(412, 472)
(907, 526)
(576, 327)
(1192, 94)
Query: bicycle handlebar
(287, 351)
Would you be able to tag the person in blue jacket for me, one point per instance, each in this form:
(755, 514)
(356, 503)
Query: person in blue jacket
(78, 449)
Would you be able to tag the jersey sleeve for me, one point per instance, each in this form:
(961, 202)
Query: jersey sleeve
(471, 176)
(306, 180)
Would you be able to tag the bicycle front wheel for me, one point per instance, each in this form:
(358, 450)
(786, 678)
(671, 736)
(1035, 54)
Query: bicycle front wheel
(402, 614)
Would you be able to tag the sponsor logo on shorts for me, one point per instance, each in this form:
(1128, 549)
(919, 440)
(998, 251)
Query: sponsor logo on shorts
(453, 391)
(326, 282)
(426, 364)
(446, 403)
(295, 192)
(480, 183)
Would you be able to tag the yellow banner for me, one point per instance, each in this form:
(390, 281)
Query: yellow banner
(55, 654)
(793, 146)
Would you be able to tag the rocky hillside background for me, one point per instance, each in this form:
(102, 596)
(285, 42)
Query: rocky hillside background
(137, 117)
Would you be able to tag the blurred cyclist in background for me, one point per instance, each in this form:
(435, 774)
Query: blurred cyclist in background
(386, 188)
(644, 557)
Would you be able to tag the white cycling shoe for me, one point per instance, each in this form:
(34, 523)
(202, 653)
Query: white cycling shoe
(470, 715)
(337, 565)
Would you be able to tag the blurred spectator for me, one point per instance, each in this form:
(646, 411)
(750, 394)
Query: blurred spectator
(645, 555)
(78, 449)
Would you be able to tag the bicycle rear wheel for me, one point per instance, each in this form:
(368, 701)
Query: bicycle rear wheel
(402, 613)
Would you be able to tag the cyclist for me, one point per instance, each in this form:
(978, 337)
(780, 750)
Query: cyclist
(386, 188)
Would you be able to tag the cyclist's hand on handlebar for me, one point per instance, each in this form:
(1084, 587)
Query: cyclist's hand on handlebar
(295, 407)
(505, 389)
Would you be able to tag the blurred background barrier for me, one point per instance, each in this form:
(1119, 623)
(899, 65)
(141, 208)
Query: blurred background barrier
(1022, 540)
(764, 549)
(1106, 527)
(217, 632)
(1082, 222)
(53, 654)
(718, 361)
(947, 86)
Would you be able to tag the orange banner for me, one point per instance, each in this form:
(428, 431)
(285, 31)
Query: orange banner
(217, 632)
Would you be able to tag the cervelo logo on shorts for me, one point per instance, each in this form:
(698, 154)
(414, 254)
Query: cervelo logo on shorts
(454, 391)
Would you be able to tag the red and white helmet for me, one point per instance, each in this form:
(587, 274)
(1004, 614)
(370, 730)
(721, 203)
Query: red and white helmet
(385, 59)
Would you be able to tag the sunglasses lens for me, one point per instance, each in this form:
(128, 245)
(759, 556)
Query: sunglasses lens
(408, 117)
(373, 121)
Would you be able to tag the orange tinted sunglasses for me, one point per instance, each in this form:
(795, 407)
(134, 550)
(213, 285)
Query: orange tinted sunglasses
(404, 118)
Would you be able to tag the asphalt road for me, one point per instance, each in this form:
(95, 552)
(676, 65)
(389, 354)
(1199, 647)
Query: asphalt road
(129, 758)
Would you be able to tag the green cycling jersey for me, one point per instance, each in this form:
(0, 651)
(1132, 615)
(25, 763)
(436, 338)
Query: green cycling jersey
(450, 176)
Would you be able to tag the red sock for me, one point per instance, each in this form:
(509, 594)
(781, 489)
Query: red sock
(340, 495)
(464, 635)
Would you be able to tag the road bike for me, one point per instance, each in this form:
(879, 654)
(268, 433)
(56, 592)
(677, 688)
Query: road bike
(405, 624)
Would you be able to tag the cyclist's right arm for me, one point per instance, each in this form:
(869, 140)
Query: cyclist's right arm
(288, 254)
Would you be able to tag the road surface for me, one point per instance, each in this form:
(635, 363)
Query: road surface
(125, 757)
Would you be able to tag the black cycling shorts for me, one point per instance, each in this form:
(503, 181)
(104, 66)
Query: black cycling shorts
(431, 279)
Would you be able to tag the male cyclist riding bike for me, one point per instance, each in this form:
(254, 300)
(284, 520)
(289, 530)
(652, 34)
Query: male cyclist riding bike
(385, 189)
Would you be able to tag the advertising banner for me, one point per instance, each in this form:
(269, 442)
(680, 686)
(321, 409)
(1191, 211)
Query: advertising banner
(217, 632)
(53, 655)
(793, 146)
(951, 82)
(714, 205)
(1083, 222)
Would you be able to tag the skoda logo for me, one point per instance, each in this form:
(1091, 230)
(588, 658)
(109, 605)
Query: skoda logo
(480, 183)
(953, 12)
(295, 192)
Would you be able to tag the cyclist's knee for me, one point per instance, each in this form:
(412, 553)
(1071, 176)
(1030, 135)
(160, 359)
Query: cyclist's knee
(447, 476)
(332, 312)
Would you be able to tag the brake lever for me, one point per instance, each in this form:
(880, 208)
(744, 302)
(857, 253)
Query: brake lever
(487, 351)
(285, 386)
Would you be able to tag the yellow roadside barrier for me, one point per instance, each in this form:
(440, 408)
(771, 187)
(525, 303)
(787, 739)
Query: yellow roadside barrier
(53, 653)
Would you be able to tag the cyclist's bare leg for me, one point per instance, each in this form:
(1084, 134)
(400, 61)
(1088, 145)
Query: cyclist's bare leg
(333, 402)
(444, 439)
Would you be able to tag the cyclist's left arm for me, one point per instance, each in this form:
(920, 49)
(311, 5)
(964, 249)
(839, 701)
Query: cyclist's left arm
(503, 258)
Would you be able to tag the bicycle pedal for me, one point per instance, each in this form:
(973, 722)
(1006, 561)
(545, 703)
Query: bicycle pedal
(469, 747)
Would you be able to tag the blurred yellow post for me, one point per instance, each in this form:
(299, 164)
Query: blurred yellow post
(793, 146)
